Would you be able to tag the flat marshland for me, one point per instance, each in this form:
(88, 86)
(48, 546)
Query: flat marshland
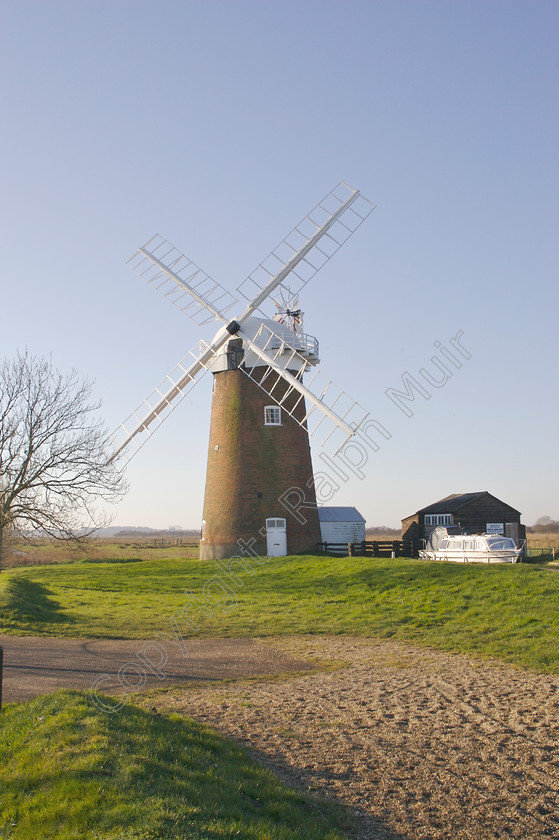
(48, 552)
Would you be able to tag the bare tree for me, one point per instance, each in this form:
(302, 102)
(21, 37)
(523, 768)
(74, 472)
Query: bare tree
(54, 468)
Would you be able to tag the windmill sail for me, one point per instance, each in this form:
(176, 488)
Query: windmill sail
(181, 281)
(150, 414)
(310, 244)
(330, 413)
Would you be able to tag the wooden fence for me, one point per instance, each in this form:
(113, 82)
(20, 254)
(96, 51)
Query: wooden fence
(541, 553)
(184, 542)
(372, 548)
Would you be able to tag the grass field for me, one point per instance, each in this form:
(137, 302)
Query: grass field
(68, 770)
(509, 612)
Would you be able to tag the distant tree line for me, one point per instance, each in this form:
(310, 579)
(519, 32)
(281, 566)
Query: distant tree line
(543, 525)
(382, 530)
(154, 532)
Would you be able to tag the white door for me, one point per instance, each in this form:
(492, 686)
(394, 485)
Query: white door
(276, 537)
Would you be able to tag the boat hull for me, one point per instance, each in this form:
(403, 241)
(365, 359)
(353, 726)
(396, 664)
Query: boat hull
(471, 556)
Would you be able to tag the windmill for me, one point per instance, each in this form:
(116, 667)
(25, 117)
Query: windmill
(262, 411)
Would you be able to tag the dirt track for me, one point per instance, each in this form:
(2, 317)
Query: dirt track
(39, 665)
(421, 744)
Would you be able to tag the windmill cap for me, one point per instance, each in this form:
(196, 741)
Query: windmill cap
(271, 336)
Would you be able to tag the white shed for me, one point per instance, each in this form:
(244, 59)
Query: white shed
(341, 525)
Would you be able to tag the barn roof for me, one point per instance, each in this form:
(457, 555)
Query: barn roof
(452, 502)
(456, 501)
(339, 514)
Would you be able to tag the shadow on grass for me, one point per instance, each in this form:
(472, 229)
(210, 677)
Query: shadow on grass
(84, 560)
(144, 775)
(26, 600)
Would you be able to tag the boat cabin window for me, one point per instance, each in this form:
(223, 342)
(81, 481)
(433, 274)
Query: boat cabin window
(453, 544)
(501, 544)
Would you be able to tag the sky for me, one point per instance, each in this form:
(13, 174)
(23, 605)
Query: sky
(219, 125)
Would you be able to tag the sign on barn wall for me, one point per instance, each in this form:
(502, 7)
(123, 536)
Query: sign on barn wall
(495, 528)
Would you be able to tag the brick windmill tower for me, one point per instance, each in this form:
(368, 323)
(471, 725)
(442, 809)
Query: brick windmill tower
(263, 409)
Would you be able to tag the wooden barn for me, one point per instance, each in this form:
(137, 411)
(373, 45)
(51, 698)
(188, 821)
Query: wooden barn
(341, 525)
(468, 513)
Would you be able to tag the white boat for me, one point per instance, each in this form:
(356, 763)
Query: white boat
(471, 548)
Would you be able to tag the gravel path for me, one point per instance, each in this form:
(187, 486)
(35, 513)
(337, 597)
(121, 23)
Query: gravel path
(420, 744)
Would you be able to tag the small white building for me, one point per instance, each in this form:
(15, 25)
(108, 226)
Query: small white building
(341, 525)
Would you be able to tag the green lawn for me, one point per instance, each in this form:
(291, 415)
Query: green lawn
(511, 612)
(68, 771)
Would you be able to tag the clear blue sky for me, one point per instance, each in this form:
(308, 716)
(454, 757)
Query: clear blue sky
(219, 125)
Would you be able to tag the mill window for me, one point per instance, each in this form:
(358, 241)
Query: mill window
(272, 415)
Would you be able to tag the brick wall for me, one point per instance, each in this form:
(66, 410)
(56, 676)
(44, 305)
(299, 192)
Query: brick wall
(250, 466)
